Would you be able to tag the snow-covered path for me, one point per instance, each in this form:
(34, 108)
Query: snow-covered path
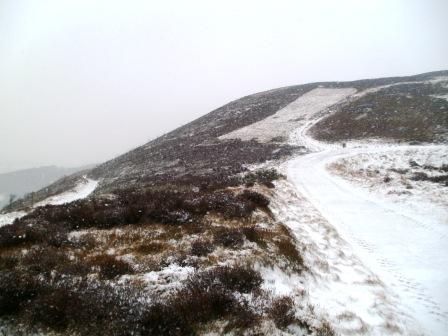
(409, 254)
(82, 190)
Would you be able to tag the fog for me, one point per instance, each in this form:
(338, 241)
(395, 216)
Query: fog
(83, 81)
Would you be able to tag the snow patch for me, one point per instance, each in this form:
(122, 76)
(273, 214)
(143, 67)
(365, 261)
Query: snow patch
(168, 278)
(340, 287)
(289, 118)
(407, 252)
(82, 190)
(8, 218)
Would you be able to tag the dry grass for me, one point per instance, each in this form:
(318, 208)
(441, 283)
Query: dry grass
(100, 255)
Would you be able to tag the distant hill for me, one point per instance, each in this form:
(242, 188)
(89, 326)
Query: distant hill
(21, 182)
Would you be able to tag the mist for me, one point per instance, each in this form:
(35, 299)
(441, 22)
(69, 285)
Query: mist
(84, 81)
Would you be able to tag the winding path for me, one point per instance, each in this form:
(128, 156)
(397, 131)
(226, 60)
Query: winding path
(408, 254)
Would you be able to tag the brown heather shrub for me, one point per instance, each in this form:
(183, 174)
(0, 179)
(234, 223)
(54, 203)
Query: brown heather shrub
(228, 237)
(51, 223)
(325, 329)
(42, 260)
(288, 249)
(33, 231)
(240, 279)
(110, 267)
(206, 296)
(47, 260)
(255, 235)
(258, 199)
(201, 247)
(97, 308)
(52, 308)
(282, 312)
(151, 247)
(165, 319)
(419, 176)
(16, 289)
(8, 262)
(262, 176)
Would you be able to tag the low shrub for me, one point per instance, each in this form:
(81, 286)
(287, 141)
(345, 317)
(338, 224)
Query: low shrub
(151, 247)
(228, 237)
(42, 260)
(205, 296)
(33, 231)
(16, 289)
(201, 247)
(165, 319)
(91, 307)
(258, 199)
(240, 279)
(262, 176)
(8, 262)
(52, 308)
(255, 235)
(282, 312)
(51, 223)
(419, 176)
(110, 267)
(235, 279)
(289, 250)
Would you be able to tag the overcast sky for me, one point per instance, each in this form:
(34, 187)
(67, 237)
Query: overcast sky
(83, 81)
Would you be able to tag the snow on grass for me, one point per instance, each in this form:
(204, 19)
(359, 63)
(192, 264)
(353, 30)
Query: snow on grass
(279, 282)
(340, 287)
(289, 118)
(364, 274)
(435, 80)
(390, 175)
(82, 190)
(8, 218)
(407, 252)
(167, 278)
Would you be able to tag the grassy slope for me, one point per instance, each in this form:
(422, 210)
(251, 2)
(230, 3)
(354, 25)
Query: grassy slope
(408, 112)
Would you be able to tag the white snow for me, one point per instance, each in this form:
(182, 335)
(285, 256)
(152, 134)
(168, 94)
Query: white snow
(287, 119)
(378, 267)
(406, 249)
(278, 282)
(8, 218)
(340, 287)
(168, 278)
(82, 190)
(408, 254)
(369, 170)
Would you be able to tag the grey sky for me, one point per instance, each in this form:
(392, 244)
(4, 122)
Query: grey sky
(82, 81)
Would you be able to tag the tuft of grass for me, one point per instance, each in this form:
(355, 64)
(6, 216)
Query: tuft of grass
(255, 235)
(288, 249)
(262, 176)
(151, 247)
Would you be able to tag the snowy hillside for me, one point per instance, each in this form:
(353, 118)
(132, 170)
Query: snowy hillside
(318, 209)
(25, 181)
